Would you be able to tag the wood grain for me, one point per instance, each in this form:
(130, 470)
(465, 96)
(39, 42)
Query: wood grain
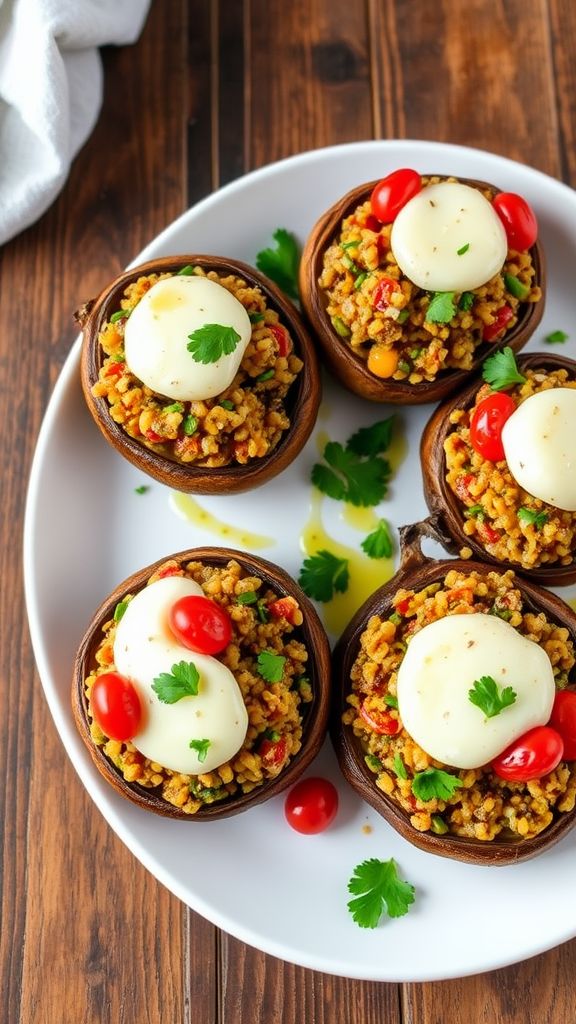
(208, 91)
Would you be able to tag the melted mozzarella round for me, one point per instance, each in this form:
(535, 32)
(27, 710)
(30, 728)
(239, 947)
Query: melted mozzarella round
(539, 442)
(433, 228)
(145, 647)
(157, 332)
(441, 664)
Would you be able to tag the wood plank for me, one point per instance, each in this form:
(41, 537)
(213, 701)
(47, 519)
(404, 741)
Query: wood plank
(563, 44)
(452, 72)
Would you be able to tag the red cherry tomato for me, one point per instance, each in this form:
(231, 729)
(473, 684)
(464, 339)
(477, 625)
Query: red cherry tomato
(282, 339)
(311, 806)
(501, 320)
(116, 706)
(486, 424)
(273, 752)
(518, 219)
(200, 624)
(531, 756)
(393, 192)
(563, 719)
(381, 722)
(283, 608)
(383, 293)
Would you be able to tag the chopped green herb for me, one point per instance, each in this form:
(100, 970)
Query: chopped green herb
(351, 245)
(441, 309)
(201, 748)
(415, 352)
(404, 366)
(248, 597)
(350, 265)
(372, 440)
(390, 701)
(400, 767)
(475, 512)
(227, 404)
(439, 826)
(378, 888)
(374, 763)
(556, 338)
(262, 610)
(119, 610)
(361, 482)
(434, 784)
(141, 489)
(267, 375)
(175, 407)
(340, 327)
(491, 700)
(271, 666)
(531, 518)
(281, 264)
(402, 316)
(463, 249)
(208, 794)
(515, 287)
(323, 574)
(120, 314)
(190, 425)
(395, 618)
(212, 341)
(272, 735)
(502, 613)
(255, 318)
(181, 681)
(378, 544)
(501, 372)
(466, 301)
(186, 271)
(360, 280)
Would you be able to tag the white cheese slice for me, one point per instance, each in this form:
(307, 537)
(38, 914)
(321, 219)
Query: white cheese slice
(440, 667)
(539, 442)
(449, 238)
(157, 332)
(144, 648)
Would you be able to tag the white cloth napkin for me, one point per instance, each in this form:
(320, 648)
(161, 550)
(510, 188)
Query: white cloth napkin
(50, 93)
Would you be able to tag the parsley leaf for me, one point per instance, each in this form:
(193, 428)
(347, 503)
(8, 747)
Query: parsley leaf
(378, 888)
(442, 308)
(378, 544)
(500, 371)
(212, 341)
(466, 301)
(531, 518)
(434, 784)
(142, 489)
(201, 748)
(323, 574)
(556, 338)
(400, 767)
(271, 666)
(372, 440)
(359, 481)
(486, 696)
(181, 681)
(281, 264)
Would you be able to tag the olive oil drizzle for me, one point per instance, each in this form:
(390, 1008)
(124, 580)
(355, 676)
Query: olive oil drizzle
(188, 508)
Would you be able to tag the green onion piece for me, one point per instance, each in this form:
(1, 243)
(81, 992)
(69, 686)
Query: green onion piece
(350, 245)
(400, 767)
(190, 426)
(262, 609)
(475, 511)
(404, 366)
(395, 618)
(267, 375)
(340, 327)
(463, 249)
(360, 280)
(255, 318)
(248, 597)
(119, 610)
(227, 404)
(390, 701)
(374, 763)
(439, 826)
(402, 317)
(515, 286)
(120, 314)
(186, 271)
(175, 407)
(271, 734)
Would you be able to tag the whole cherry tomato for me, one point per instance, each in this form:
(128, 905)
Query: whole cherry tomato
(518, 218)
(381, 722)
(200, 624)
(495, 329)
(311, 806)
(531, 756)
(116, 706)
(486, 424)
(563, 719)
(393, 192)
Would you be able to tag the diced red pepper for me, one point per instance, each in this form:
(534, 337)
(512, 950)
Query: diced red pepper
(462, 487)
(168, 570)
(115, 369)
(153, 436)
(494, 330)
(403, 606)
(283, 607)
(383, 292)
(381, 722)
(372, 223)
(282, 339)
(273, 752)
(487, 534)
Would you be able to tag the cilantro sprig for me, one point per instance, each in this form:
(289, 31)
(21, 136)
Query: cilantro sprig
(434, 784)
(378, 544)
(212, 341)
(181, 681)
(532, 518)
(201, 747)
(378, 888)
(556, 338)
(501, 372)
(442, 308)
(271, 666)
(324, 574)
(372, 440)
(280, 264)
(356, 473)
(491, 699)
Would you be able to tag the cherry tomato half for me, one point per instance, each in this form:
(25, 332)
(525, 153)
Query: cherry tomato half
(200, 624)
(273, 752)
(383, 292)
(393, 192)
(486, 424)
(519, 220)
(501, 320)
(563, 719)
(311, 806)
(381, 722)
(282, 339)
(531, 756)
(116, 706)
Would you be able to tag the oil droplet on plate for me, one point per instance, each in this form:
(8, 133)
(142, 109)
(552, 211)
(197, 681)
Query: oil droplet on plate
(189, 509)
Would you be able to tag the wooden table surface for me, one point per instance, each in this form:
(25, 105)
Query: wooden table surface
(210, 91)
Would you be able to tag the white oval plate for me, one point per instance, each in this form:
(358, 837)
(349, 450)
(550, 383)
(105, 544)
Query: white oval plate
(86, 529)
